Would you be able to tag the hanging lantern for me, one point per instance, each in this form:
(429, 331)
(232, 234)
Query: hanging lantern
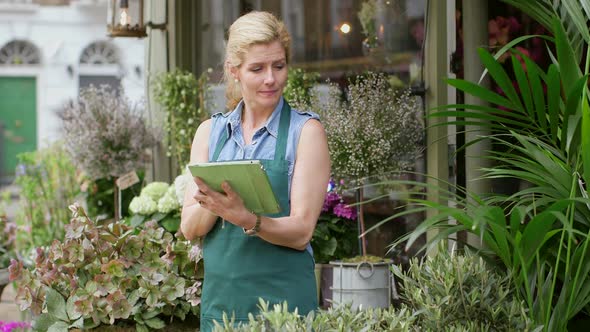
(125, 19)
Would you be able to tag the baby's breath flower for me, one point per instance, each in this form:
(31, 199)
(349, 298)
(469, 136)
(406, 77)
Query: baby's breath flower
(375, 130)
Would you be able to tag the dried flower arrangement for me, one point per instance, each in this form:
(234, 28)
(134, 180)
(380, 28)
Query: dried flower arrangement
(105, 134)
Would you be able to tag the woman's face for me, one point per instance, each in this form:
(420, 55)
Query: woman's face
(263, 75)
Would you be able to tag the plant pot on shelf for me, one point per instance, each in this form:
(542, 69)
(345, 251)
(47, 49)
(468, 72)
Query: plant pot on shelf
(364, 284)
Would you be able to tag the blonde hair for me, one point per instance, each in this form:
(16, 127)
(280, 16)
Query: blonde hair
(253, 28)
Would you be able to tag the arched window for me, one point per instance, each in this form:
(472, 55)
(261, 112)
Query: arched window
(20, 52)
(100, 65)
(100, 53)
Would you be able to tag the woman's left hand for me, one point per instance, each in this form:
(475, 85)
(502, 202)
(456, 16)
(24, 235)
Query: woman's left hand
(229, 205)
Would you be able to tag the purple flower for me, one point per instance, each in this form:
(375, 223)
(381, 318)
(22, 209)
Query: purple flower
(345, 211)
(13, 326)
(330, 201)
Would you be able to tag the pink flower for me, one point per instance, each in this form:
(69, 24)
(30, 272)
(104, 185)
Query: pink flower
(345, 211)
(13, 326)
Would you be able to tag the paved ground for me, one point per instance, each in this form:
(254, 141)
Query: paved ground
(8, 310)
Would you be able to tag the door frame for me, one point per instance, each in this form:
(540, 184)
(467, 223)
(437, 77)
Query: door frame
(34, 72)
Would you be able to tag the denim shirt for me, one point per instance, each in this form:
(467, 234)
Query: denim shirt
(264, 139)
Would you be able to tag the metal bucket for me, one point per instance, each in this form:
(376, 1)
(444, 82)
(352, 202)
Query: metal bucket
(364, 285)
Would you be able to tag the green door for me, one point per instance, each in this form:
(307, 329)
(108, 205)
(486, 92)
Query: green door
(18, 101)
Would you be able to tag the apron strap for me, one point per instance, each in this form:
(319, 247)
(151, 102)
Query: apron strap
(220, 143)
(283, 135)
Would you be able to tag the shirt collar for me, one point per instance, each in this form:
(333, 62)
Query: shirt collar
(271, 125)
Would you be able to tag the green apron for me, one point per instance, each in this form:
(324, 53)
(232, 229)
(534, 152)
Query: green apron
(240, 269)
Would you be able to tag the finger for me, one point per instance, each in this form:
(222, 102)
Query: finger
(227, 188)
(203, 188)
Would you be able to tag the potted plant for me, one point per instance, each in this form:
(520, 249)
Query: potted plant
(334, 238)
(107, 137)
(373, 131)
(110, 274)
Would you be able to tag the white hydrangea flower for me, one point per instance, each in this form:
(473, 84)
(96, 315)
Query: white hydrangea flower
(180, 185)
(155, 190)
(142, 205)
(168, 202)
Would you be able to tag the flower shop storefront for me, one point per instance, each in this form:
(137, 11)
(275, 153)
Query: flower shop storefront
(381, 75)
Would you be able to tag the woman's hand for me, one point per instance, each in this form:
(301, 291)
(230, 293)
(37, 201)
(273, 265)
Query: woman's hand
(229, 205)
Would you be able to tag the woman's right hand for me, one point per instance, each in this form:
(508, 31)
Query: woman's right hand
(227, 205)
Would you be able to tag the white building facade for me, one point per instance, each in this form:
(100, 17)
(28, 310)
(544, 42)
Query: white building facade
(49, 52)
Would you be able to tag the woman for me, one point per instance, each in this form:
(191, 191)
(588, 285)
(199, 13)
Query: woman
(249, 256)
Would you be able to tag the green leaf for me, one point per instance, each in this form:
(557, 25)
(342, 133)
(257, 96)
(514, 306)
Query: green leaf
(137, 220)
(158, 216)
(141, 328)
(43, 322)
(79, 324)
(480, 92)
(150, 314)
(171, 224)
(329, 247)
(71, 308)
(498, 73)
(586, 142)
(568, 64)
(56, 305)
(155, 323)
(538, 94)
(59, 327)
(553, 100)
(523, 85)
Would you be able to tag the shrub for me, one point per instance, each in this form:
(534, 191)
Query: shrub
(185, 100)
(341, 318)
(47, 179)
(462, 291)
(105, 274)
(442, 293)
